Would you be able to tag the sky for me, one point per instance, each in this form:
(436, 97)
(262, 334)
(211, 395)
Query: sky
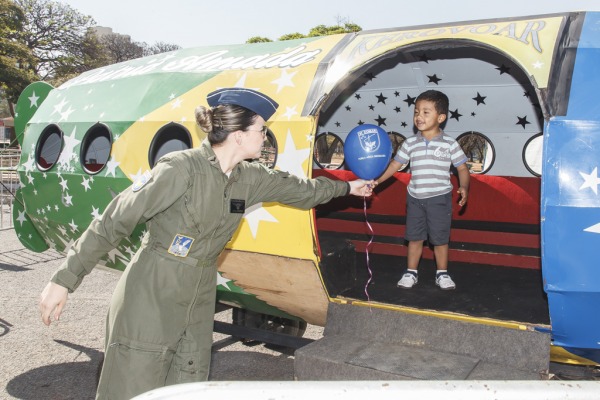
(196, 23)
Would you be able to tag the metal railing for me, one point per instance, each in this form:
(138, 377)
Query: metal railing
(9, 183)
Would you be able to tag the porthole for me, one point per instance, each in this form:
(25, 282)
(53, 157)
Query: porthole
(48, 147)
(95, 148)
(329, 151)
(397, 139)
(268, 154)
(532, 154)
(169, 138)
(479, 151)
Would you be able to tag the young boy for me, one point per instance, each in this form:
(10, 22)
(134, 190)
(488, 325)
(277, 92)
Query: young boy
(429, 200)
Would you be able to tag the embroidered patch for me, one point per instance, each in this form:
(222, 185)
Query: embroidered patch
(237, 206)
(181, 245)
(141, 181)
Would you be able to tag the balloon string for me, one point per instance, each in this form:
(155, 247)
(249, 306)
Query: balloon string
(367, 249)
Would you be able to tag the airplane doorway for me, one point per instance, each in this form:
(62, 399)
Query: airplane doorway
(495, 240)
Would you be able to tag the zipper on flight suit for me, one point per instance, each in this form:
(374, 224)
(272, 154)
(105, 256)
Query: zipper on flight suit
(230, 182)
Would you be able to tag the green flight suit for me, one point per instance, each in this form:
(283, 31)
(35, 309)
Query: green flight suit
(160, 322)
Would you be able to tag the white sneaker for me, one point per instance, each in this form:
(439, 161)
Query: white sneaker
(409, 279)
(445, 282)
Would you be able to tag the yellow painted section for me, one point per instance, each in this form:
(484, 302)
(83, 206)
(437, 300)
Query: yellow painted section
(287, 231)
(530, 42)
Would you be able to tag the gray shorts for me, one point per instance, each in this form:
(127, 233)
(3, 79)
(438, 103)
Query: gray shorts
(429, 219)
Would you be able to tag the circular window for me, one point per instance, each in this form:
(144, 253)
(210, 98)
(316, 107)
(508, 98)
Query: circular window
(268, 154)
(479, 151)
(532, 154)
(171, 137)
(95, 148)
(48, 147)
(397, 139)
(329, 151)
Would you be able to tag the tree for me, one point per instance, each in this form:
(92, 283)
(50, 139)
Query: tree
(291, 36)
(91, 54)
(319, 30)
(258, 39)
(15, 58)
(54, 32)
(120, 48)
(322, 30)
(158, 48)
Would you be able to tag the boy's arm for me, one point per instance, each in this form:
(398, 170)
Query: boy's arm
(463, 180)
(391, 170)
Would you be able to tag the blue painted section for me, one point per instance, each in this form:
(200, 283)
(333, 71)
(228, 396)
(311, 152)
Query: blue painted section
(570, 206)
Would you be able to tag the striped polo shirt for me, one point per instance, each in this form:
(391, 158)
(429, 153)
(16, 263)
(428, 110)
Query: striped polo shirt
(430, 163)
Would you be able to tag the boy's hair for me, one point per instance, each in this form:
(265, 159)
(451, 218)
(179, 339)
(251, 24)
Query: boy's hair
(439, 99)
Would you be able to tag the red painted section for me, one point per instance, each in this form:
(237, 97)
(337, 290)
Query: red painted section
(457, 235)
(475, 257)
(491, 198)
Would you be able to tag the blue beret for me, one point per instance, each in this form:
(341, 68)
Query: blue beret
(255, 101)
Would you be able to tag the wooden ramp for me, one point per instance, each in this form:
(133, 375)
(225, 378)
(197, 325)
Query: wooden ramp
(362, 343)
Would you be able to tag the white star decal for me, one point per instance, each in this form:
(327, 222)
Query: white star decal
(538, 65)
(129, 251)
(172, 96)
(176, 103)
(30, 179)
(111, 166)
(58, 107)
(590, 180)
(593, 228)
(22, 218)
(95, 212)
(67, 154)
(221, 280)
(62, 230)
(285, 80)
(291, 160)
(65, 115)
(73, 226)
(290, 112)
(68, 200)
(86, 183)
(254, 215)
(30, 164)
(33, 100)
(64, 184)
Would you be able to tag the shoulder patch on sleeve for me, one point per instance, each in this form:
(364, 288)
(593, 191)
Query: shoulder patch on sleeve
(141, 181)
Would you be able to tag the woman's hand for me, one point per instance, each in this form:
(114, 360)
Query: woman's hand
(361, 187)
(53, 298)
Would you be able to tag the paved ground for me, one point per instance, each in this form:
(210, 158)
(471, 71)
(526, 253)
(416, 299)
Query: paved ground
(61, 361)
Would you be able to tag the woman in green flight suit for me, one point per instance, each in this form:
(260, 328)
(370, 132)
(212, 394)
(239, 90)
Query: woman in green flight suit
(160, 322)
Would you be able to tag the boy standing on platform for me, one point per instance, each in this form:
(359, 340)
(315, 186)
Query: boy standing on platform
(429, 200)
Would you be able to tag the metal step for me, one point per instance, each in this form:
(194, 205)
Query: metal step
(362, 343)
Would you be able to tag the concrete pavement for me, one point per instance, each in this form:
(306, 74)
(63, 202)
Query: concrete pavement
(61, 361)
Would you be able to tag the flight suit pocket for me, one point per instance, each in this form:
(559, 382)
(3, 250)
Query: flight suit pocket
(190, 367)
(133, 367)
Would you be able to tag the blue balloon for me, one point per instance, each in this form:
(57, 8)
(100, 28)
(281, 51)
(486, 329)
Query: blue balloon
(367, 151)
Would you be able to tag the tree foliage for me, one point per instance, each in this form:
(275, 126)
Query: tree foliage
(16, 59)
(319, 30)
(120, 48)
(158, 48)
(258, 39)
(54, 32)
(48, 40)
